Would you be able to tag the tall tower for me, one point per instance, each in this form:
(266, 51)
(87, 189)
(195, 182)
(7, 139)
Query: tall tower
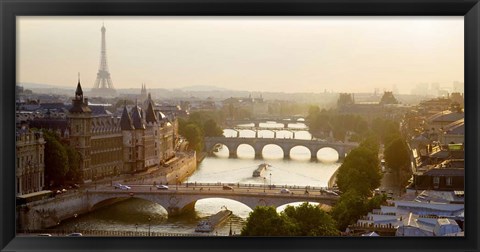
(79, 122)
(103, 84)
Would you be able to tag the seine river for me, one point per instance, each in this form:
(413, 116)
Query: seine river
(133, 214)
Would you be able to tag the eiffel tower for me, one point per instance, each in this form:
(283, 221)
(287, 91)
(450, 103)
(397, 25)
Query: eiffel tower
(103, 86)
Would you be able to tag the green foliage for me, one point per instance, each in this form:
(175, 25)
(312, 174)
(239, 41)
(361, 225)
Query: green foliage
(199, 125)
(265, 221)
(360, 171)
(56, 159)
(311, 221)
(349, 208)
(321, 123)
(396, 154)
(386, 129)
(194, 135)
(212, 129)
(304, 220)
(397, 158)
(74, 172)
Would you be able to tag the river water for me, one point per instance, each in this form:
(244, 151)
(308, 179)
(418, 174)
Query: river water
(133, 214)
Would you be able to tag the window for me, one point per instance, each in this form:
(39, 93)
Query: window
(436, 182)
(448, 181)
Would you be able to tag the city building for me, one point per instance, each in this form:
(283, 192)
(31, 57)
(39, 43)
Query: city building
(108, 145)
(30, 168)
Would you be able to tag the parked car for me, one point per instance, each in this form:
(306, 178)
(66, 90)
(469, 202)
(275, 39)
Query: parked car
(75, 234)
(284, 190)
(161, 187)
(117, 185)
(44, 235)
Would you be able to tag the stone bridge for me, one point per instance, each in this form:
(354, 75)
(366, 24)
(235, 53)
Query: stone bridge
(285, 120)
(184, 199)
(258, 144)
(272, 129)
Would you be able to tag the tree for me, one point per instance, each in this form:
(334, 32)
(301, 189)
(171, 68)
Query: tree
(74, 173)
(194, 136)
(360, 171)
(310, 220)
(56, 159)
(303, 220)
(212, 129)
(265, 221)
(348, 209)
(397, 158)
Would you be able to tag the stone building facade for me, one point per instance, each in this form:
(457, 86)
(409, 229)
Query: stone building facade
(148, 137)
(30, 146)
(108, 145)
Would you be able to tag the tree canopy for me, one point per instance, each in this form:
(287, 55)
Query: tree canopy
(303, 220)
(352, 205)
(360, 171)
(56, 159)
(397, 159)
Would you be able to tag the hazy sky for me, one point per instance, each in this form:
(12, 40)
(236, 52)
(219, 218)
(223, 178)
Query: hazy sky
(287, 54)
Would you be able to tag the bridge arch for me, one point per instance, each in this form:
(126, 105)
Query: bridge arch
(275, 149)
(178, 202)
(328, 154)
(297, 151)
(285, 144)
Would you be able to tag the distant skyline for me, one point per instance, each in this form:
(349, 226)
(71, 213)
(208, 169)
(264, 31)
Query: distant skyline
(265, 54)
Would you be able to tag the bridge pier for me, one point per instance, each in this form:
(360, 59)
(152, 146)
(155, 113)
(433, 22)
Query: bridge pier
(257, 124)
(232, 154)
(285, 125)
(258, 154)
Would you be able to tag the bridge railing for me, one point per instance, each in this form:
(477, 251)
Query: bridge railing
(244, 186)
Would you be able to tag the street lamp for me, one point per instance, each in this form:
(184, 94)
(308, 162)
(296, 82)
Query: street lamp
(76, 224)
(270, 181)
(176, 182)
(149, 224)
(136, 228)
(187, 178)
(264, 183)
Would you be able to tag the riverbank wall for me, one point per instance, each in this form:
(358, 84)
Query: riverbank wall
(333, 179)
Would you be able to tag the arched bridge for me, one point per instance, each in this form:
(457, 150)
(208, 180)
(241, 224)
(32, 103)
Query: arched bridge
(177, 200)
(258, 144)
(256, 122)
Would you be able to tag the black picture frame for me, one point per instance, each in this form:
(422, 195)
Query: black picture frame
(470, 9)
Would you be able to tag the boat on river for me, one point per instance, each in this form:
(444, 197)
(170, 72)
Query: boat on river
(213, 221)
(260, 170)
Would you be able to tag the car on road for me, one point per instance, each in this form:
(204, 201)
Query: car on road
(328, 192)
(161, 187)
(75, 234)
(125, 187)
(122, 187)
(46, 235)
(284, 190)
(225, 187)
